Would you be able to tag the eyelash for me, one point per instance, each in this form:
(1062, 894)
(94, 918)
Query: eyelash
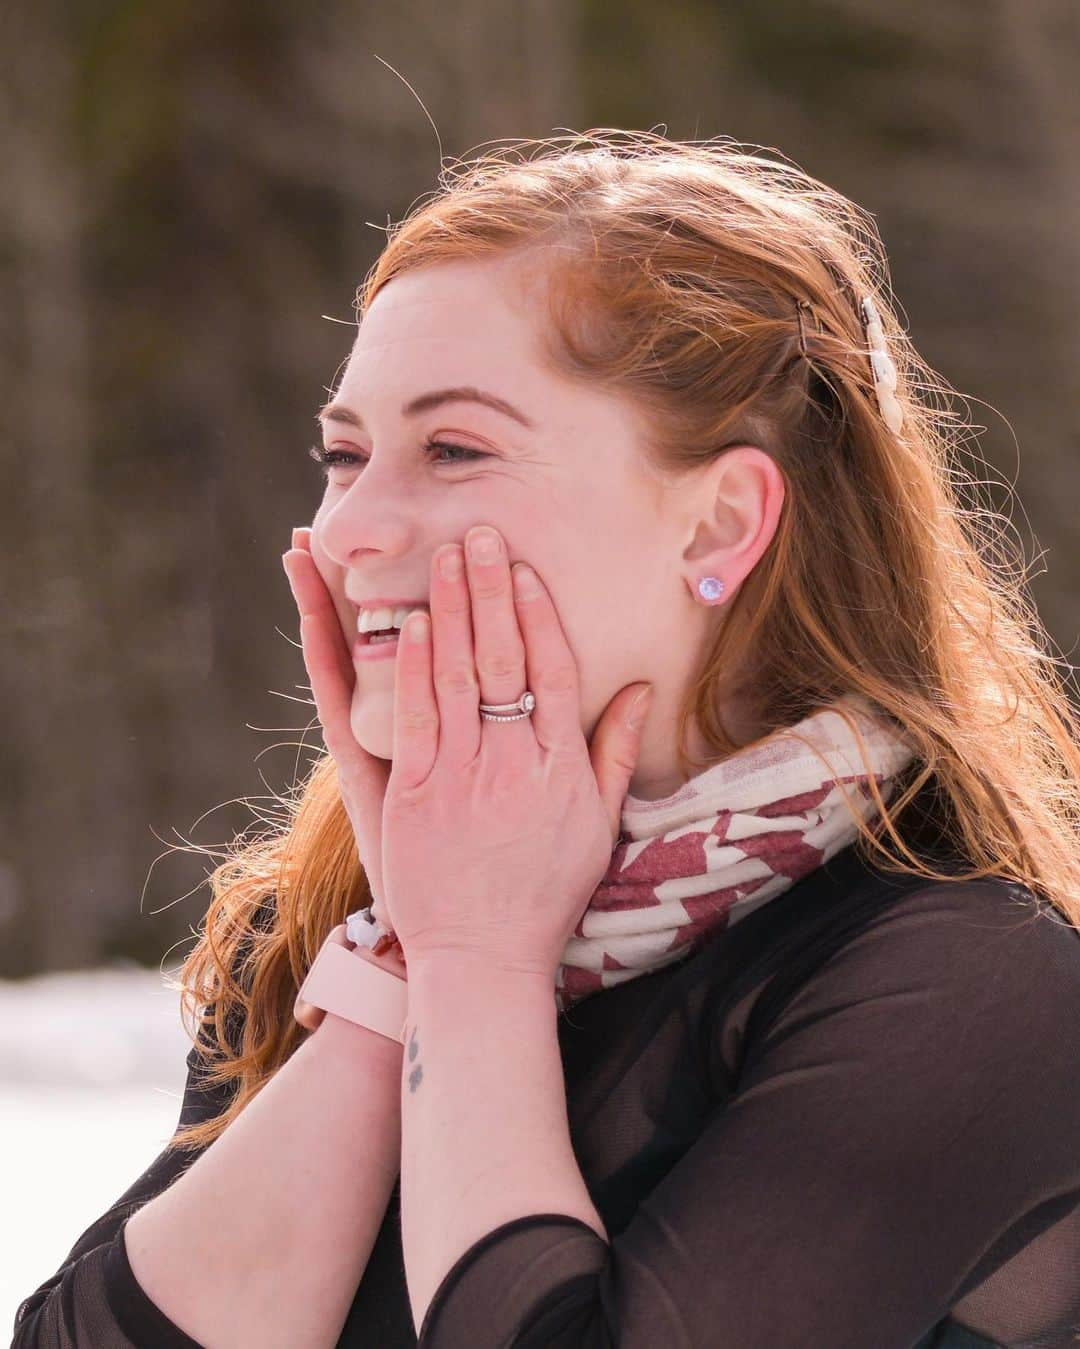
(328, 459)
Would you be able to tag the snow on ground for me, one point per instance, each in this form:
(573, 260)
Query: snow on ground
(92, 1074)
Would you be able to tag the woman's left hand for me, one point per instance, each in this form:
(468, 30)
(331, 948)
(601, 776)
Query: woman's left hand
(495, 836)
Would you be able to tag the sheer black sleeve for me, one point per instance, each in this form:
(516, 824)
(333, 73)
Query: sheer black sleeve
(903, 1134)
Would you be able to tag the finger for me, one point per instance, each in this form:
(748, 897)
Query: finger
(390, 959)
(552, 670)
(326, 657)
(313, 599)
(311, 1018)
(416, 715)
(362, 777)
(306, 583)
(457, 689)
(497, 640)
(614, 749)
(333, 696)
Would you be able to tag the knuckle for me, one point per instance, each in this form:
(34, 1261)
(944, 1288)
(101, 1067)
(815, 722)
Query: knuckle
(456, 678)
(404, 806)
(564, 769)
(501, 662)
(486, 590)
(559, 679)
(417, 719)
(455, 604)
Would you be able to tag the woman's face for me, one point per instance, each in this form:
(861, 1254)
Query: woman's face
(619, 550)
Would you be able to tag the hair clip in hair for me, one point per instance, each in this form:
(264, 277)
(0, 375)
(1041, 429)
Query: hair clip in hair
(802, 306)
(881, 363)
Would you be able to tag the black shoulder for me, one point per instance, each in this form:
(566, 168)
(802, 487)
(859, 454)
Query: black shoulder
(986, 951)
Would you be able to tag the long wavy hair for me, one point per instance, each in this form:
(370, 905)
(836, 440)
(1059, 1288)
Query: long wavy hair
(676, 273)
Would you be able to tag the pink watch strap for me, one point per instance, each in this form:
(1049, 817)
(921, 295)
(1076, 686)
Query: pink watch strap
(355, 988)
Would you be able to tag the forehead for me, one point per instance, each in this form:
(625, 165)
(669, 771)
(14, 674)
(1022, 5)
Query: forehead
(483, 324)
(454, 312)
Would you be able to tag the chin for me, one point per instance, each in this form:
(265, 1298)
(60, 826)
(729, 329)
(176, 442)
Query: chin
(372, 724)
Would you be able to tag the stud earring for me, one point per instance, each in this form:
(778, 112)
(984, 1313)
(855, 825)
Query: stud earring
(710, 587)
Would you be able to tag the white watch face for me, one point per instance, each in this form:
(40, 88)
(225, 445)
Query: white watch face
(360, 931)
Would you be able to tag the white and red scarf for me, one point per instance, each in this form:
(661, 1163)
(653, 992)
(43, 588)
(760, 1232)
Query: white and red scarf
(735, 836)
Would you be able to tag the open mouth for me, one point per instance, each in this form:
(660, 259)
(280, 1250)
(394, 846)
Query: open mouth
(394, 618)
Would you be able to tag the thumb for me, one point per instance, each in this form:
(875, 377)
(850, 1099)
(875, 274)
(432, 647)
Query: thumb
(613, 749)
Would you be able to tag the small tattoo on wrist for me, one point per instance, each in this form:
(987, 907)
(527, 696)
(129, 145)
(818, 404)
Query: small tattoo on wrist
(417, 1074)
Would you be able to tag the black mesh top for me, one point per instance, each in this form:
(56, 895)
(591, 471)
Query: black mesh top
(851, 1122)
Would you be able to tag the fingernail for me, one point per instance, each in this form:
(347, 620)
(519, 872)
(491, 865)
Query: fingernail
(483, 545)
(294, 534)
(450, 565)
(524, 578)
(639, 708)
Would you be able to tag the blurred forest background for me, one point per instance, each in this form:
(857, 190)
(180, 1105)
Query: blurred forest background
(190, 189)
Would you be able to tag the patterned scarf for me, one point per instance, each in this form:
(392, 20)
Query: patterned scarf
(735, 836)
(732, 838)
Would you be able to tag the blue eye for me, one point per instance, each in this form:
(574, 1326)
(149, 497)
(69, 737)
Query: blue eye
(328, 459)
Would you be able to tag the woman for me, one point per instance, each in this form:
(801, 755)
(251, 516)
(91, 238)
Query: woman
(811, 925)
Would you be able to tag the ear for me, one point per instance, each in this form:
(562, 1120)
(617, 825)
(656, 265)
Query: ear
(735, 507)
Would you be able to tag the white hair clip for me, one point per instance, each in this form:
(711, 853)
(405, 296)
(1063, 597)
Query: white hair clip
(883, 367)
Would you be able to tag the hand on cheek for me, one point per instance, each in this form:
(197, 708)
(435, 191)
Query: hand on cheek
(495, 834)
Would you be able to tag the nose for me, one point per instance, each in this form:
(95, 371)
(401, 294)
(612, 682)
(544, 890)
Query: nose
(357, 524)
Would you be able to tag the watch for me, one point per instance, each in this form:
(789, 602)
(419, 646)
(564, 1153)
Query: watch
(358, 989)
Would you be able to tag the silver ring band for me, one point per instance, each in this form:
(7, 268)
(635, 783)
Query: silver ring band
(497, 711)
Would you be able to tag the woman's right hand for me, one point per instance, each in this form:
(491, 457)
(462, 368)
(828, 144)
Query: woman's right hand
(362, 778)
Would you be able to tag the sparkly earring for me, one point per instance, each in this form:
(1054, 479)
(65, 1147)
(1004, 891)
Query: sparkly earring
(710, 587)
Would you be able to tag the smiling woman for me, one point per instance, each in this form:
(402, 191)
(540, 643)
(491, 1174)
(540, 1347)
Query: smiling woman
(759, 1014)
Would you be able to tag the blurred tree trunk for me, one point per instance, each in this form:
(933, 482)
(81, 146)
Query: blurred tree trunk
(70, 780)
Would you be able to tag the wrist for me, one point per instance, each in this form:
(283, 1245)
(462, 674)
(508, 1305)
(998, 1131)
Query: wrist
(448, 975)
(470, 962)
(350, 1042)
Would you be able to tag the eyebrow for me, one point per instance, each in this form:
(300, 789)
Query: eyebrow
(338, 412)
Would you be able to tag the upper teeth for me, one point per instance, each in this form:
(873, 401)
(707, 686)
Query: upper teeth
(371, 619)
